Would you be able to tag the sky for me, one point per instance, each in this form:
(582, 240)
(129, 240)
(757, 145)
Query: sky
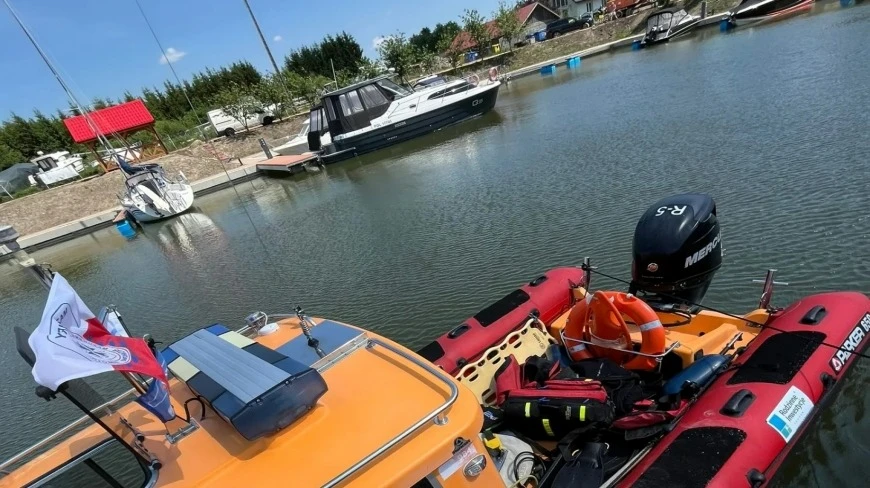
(103, 47)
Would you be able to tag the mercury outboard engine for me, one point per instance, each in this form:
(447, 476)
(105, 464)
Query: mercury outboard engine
(677, 249)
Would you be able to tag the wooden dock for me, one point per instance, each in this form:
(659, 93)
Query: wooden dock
(287, 164)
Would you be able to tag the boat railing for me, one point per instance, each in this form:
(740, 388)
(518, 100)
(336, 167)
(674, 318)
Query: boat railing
(82, 421)
(433, 416)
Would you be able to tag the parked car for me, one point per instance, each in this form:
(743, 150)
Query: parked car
(226, 125)
(562, 26)
(587, 19)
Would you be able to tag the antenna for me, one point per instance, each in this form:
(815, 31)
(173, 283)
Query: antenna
(69, 93)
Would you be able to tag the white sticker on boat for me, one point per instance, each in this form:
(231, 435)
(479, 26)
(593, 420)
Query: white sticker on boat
(790, 413)
(851, 344)
(458, 460)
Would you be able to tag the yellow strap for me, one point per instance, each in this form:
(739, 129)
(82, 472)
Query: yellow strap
(547, 428)
(582, 413)
(528, 409)
(494, 443)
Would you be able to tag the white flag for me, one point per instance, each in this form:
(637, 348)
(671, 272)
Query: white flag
(71, 343)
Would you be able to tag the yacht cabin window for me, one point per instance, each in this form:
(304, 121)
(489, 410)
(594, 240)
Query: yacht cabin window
(356, 108)
(396, 90)
(46, 164)
(350, 103)
(372, 97)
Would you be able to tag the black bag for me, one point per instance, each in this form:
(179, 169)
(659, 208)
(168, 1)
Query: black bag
(624, 387)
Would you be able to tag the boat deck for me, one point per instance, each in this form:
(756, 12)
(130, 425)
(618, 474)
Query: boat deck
(287, 164)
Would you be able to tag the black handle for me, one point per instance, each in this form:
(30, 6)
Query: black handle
(814, 315)
(738, 403)
(458, 331)
(537, 281)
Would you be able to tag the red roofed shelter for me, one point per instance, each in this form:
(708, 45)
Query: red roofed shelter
(120, 121)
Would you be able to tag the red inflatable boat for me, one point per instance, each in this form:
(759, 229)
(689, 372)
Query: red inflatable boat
(743, 426)
(547, 296)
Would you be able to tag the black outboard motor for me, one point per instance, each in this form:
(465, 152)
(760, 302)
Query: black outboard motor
(677, 249)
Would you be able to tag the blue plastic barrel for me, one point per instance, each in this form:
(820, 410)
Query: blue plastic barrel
(724, 25)
(636, 45)
(573, 62)
(125, 229)
(548, 70)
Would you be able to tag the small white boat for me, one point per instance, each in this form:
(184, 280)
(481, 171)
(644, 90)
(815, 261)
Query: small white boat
(668, 23)
(150, 195)
(56, 167)
(299, 144)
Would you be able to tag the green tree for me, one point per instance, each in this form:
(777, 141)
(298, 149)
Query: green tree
(18, 134)
(474, 24)
(397, 53)
(424, 41)
(368, 69)
(9, 156)
(309, 88)
(449, 51)
(342, 50)
(450, 29)
(273, 91)
(507, 22)
(48, 134)
(238, 102)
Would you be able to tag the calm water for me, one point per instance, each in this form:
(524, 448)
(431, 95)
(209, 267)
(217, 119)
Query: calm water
(772, 121)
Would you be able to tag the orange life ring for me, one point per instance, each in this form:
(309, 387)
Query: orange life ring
(598, 319)
(575, 329)
(493, 73)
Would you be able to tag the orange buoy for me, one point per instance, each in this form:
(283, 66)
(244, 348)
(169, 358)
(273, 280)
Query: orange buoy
(598, 320)
(575, 328)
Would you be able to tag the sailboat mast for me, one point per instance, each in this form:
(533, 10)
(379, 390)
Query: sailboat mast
(265, 44)
(59, 78)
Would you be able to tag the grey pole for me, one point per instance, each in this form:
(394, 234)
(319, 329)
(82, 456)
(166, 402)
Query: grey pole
(265, 44)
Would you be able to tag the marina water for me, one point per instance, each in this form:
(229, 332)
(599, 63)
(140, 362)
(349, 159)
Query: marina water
(772, 121)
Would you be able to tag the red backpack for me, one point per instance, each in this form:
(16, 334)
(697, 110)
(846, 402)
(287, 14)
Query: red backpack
(542, 404)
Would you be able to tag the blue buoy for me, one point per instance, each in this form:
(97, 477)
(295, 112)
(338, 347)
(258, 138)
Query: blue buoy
(725, 25)
(125, 229)
(847, 3)
(636, 45)
(548, 70)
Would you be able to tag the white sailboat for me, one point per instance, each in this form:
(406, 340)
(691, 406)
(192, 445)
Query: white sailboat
(149, 194)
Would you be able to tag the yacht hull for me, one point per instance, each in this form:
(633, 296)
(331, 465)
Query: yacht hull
(413, 127)
(181, 201)
(774, 11)
(675, 32)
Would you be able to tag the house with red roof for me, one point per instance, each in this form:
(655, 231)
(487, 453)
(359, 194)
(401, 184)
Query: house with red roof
(533, 17)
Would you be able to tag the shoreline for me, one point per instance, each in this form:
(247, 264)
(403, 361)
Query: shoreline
(248, 169)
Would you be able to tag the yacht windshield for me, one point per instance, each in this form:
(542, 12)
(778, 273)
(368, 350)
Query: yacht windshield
(398, 90)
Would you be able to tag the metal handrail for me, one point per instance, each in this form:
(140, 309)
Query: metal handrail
(454, 394)
(82, 420)
(657, 357)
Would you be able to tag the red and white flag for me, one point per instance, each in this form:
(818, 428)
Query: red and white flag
(71, 343)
